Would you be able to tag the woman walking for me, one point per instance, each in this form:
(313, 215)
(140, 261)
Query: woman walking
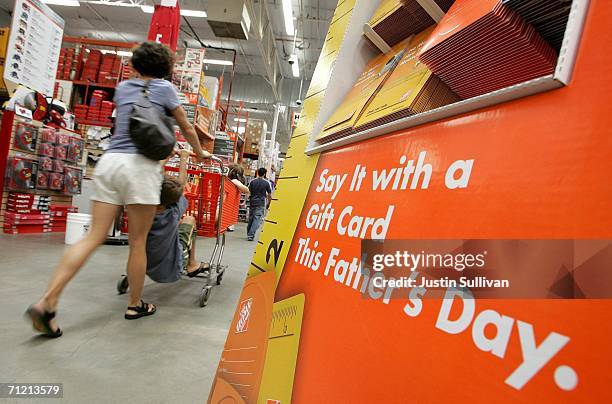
(123, 177)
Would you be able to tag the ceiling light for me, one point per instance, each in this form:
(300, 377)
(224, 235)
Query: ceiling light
(295, 66)
(218, 62)
(240, 120)
(194, 13)
(67, 3)
(288, 14)
(185, 13)
(124, 53)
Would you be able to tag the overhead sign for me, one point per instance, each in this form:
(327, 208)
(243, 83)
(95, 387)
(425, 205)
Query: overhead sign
(34, 46)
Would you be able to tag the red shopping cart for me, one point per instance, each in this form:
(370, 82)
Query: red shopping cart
(213, 200)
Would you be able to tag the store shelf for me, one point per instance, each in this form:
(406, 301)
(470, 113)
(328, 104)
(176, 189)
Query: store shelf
(91, 84)
(95, 123)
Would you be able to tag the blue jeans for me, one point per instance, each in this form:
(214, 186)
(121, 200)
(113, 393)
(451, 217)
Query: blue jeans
(256, 215)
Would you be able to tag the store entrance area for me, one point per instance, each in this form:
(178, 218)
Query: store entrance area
(101, 357)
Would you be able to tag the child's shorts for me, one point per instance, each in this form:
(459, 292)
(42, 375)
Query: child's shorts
(187, 236)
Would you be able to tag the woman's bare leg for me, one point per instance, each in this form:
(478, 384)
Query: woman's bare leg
(77, 255)
(140, 219)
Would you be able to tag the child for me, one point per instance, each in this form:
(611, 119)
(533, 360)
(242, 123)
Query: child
(171, 240)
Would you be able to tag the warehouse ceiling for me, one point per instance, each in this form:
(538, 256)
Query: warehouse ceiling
(253, 82)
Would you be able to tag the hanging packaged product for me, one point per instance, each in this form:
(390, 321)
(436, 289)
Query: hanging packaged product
(56, 181)
(42, 180)
(25, 137)
(45, 163)
(58, 166)
(47, 135)
(46, 149)
(396, 20)
(483, 46)
(73, 177)
(21, 173)
(75, 150)
(409, 90)
(343, 120)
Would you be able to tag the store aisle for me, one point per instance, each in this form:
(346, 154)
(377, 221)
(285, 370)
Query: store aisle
(170, 357)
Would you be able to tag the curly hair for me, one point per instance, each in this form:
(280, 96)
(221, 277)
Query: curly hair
(153, 59)
(171, 192)
(236, 172)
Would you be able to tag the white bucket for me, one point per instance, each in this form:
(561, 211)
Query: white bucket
(77, 225)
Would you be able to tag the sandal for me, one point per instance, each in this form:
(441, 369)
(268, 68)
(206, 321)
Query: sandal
(203, 268)
(145, 309)
(41, 321)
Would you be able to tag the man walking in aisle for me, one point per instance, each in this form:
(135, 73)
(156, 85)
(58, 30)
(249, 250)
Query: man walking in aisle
(261, 194)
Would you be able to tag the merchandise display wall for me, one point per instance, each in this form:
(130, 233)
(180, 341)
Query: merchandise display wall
(537, 169)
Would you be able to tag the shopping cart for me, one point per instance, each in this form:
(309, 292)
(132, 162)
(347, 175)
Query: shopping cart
(214, 201)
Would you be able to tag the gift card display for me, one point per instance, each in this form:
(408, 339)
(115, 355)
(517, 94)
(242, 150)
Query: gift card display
(409, 90)
(548, 17)
(343, 119)
(396, 20)
(25, 137)
(483, 46)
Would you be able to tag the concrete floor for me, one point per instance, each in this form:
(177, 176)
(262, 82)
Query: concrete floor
(170, 357)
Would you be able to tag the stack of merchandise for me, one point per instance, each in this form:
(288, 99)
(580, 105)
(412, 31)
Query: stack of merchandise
(92, 65)
(66, 60)
(126, 71)
(252, 136)
(342, 121)
(95, 105)
(59, 217)
(483, 46)
(548, 17)
(80, 112)
(27, 213)
(396, 20)
(409, 90)
(109, 69)
(106, 110)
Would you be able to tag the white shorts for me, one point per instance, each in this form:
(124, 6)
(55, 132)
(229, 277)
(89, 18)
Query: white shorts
(127, 179)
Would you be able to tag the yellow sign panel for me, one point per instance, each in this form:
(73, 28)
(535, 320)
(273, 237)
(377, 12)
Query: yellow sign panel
(282, 352)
